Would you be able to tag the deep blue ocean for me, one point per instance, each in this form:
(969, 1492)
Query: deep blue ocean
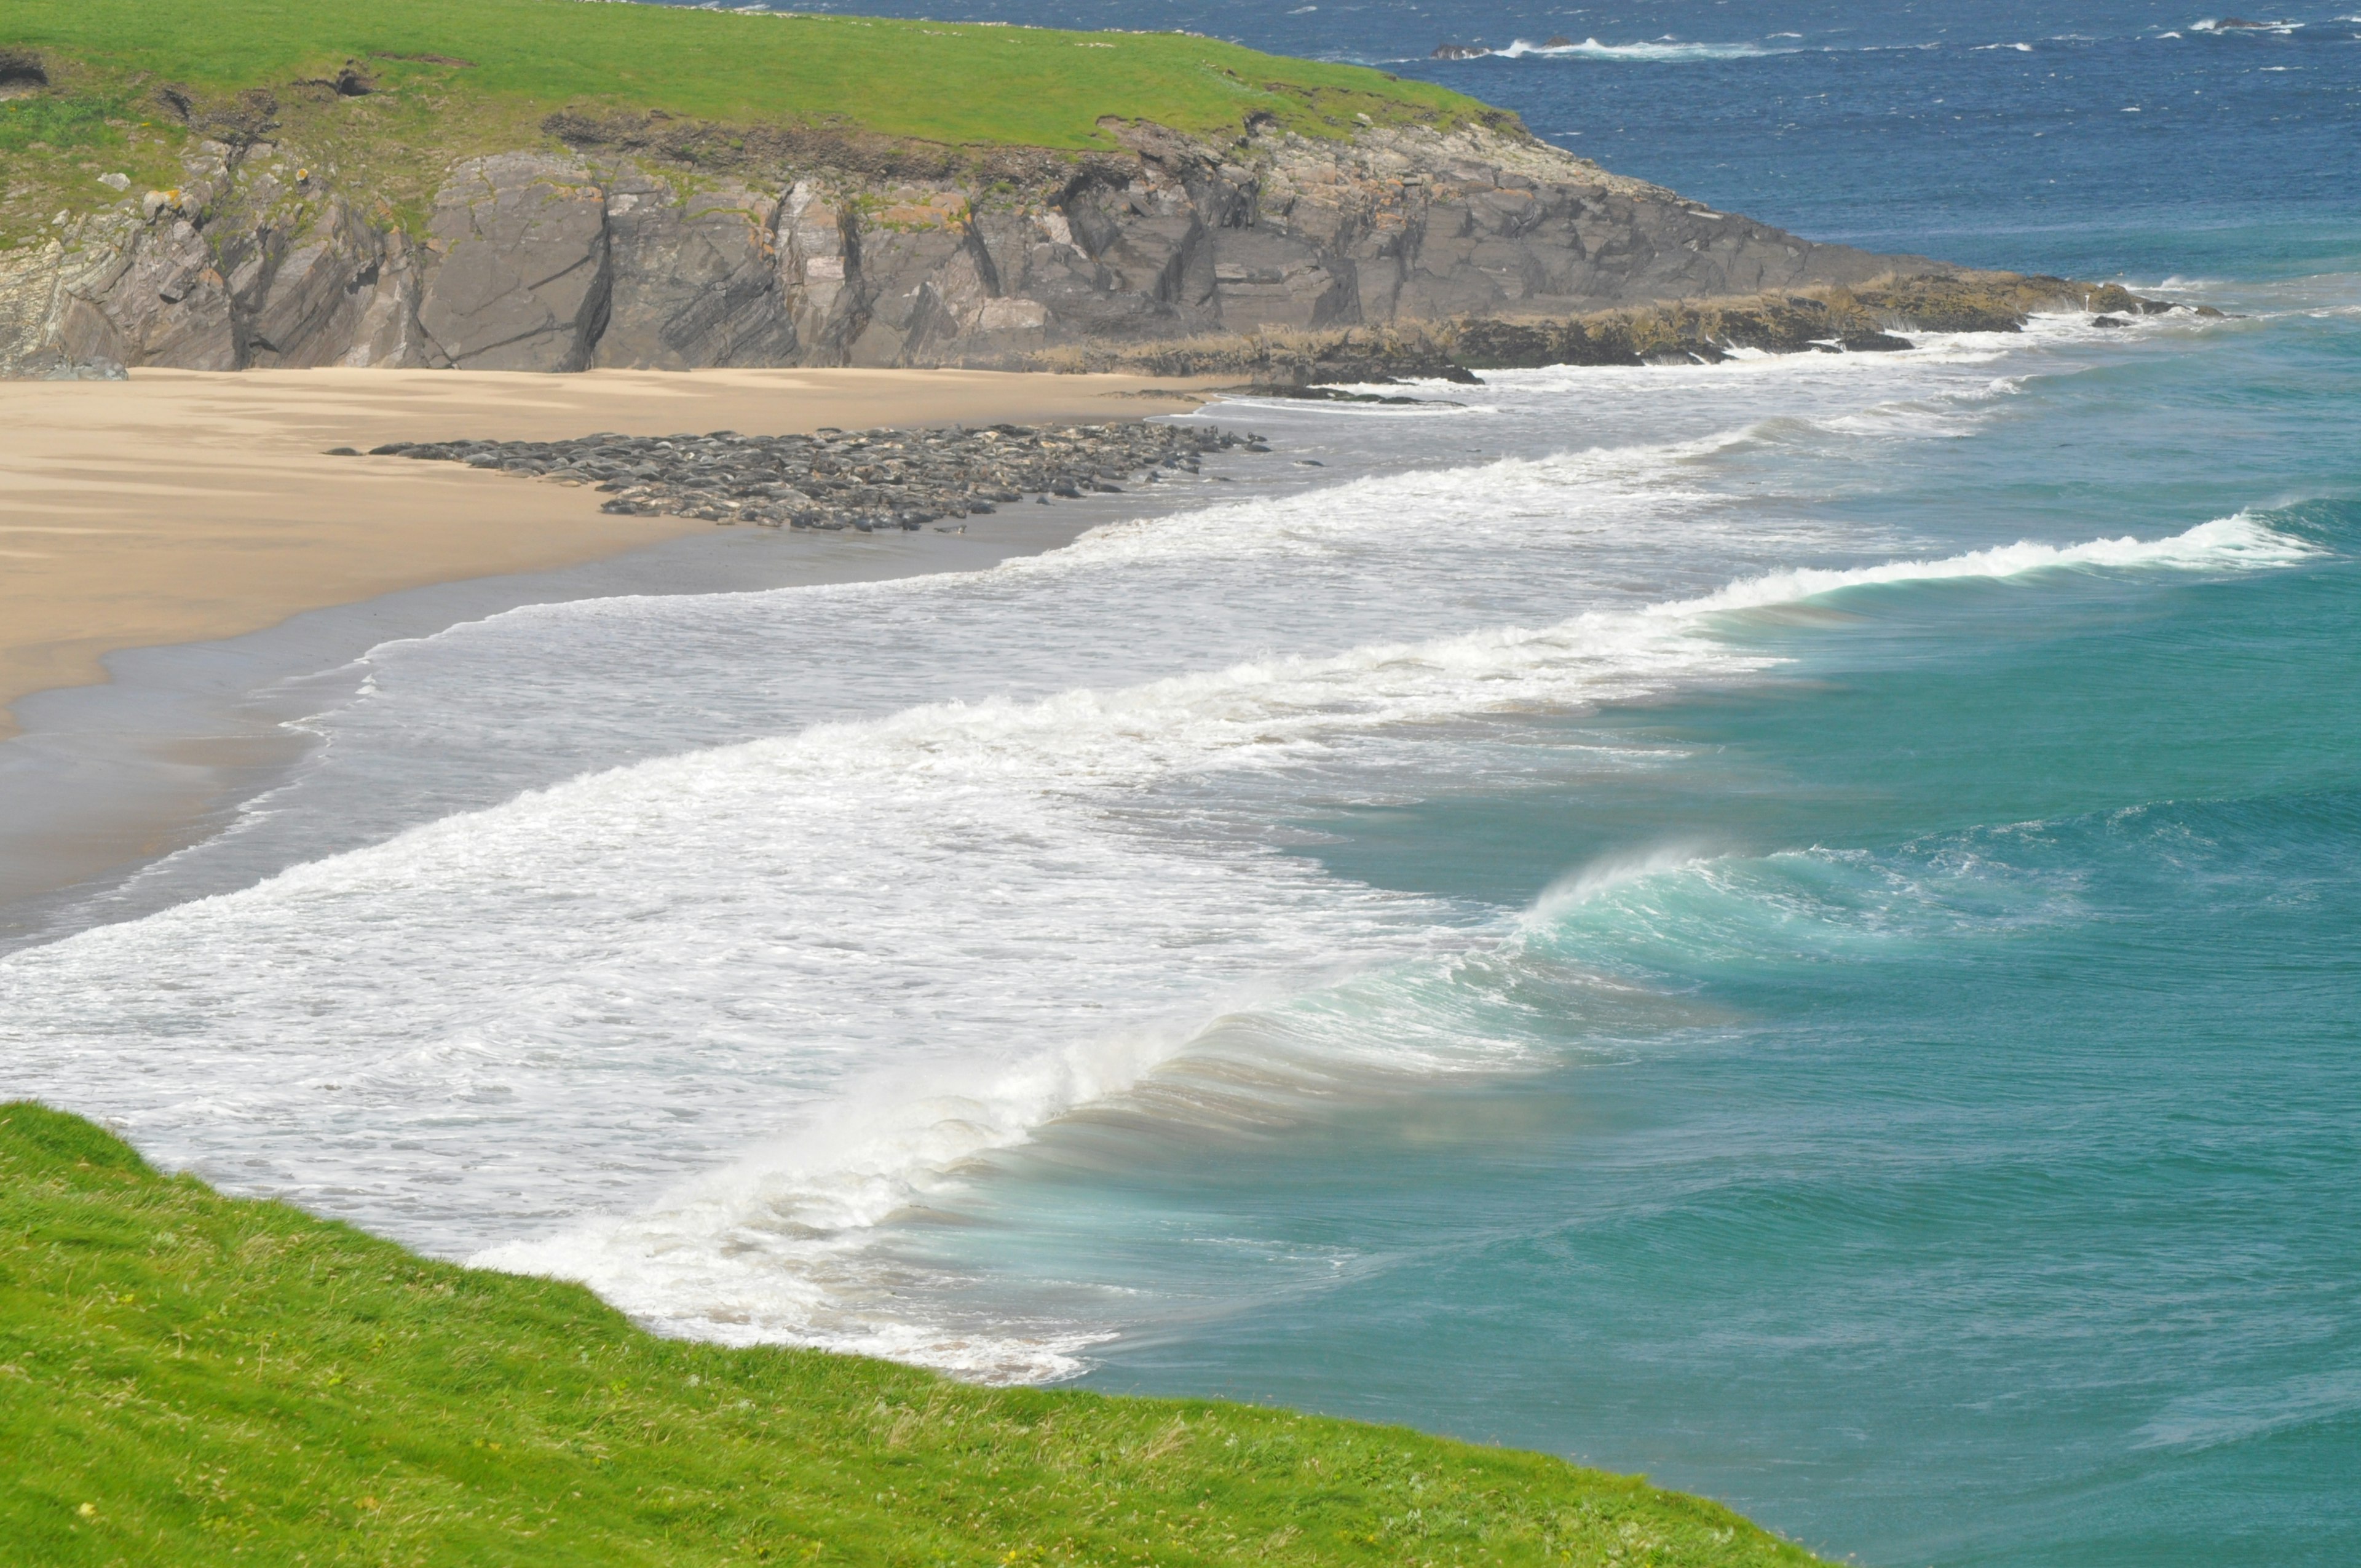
(1793, 926)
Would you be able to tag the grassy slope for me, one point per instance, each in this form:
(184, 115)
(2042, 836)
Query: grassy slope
(186, 1379)
(505, 65)
(934, 81)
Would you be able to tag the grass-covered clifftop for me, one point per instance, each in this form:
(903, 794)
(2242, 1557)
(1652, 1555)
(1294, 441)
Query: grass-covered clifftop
(937, 81)
(391, 92)
(187, 1379)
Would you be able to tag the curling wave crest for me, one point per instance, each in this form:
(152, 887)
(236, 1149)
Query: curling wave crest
(838, 964)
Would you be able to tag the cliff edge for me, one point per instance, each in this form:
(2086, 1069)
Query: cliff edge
(589, 255)
(418, 208)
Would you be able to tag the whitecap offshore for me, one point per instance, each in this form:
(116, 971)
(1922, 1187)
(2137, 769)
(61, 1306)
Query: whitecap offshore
(1656, 50)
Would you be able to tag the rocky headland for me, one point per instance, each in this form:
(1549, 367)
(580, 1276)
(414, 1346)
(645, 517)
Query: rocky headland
(645, 240)
(530, 186)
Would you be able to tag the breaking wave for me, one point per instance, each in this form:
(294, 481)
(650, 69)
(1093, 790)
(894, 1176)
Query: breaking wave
(867, 952)
(1667, 49)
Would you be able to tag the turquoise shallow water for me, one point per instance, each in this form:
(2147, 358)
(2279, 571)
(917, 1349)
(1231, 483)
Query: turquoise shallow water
(1973, 1175)
(1476, 934)
(1970, 1174)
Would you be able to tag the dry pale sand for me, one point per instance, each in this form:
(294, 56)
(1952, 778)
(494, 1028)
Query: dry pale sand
(182, 507)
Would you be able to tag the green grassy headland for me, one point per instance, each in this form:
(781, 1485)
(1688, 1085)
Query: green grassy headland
(936, 81)
(187, 1379)
(448, 79)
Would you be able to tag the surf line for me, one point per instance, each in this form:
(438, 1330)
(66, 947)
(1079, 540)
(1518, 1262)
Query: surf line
(801, 1207)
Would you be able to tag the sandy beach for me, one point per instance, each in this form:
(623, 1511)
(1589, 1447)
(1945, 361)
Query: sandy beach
(178, 518)
(181, 507)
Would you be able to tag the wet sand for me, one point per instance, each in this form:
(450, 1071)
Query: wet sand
(181, 507)
(173, 546)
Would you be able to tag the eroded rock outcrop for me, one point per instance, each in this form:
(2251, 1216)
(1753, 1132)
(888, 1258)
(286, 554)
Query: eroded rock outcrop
(695, 279)
(599, 253)
(252, 261)
(524, 277)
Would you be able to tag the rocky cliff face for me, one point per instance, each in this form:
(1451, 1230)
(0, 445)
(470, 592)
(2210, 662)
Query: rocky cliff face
(597, 254)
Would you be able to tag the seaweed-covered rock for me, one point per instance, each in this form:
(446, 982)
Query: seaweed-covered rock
(864, 480)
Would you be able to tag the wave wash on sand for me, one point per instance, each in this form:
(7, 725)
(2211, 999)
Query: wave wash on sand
(964, 916)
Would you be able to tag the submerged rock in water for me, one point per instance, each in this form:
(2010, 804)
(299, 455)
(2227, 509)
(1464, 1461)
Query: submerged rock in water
(864, 480)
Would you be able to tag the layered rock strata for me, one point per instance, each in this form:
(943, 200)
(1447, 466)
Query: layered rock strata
(865, 481)
(607, 250)
(1870, 319)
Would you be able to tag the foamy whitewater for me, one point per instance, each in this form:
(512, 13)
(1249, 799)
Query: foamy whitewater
(1792, 925)
(695, 1029)
(872, 967)
(1667, 48)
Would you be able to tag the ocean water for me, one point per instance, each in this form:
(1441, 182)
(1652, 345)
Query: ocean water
(1792, 926)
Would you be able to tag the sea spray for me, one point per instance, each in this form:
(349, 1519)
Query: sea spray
(897, 933)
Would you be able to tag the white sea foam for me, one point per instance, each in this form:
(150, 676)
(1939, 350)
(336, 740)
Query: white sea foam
(1590, 881)
(2239, 542)
(911, 868)
(1414, 554)
(845, 961)
(2233, 25)
(1667, 49)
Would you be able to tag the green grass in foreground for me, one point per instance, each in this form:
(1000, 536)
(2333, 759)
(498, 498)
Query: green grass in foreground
(186, 1379)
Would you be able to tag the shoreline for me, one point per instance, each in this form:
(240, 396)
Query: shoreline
(150, 667)
(263, 524)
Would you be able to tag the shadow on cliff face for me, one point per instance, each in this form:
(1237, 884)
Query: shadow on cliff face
(237, 122)
(649, 240)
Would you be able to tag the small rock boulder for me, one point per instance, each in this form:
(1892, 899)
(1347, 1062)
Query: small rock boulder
(89, 370)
